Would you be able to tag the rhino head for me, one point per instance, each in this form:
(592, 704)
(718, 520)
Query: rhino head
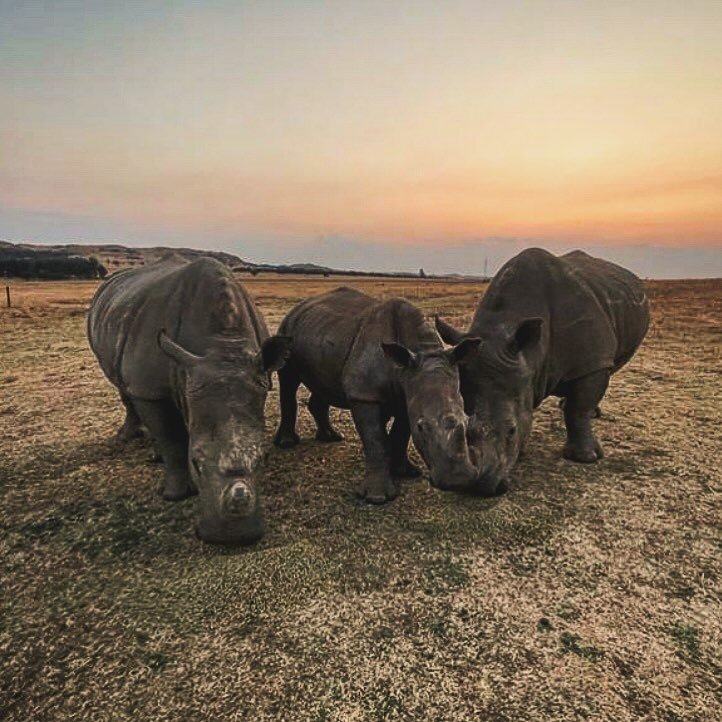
(224, 394)
(438, 424)
(497, 384)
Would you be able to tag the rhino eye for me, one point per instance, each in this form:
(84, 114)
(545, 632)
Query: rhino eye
(196, 465)
(511, 431)
(420, 424)
(449, 422)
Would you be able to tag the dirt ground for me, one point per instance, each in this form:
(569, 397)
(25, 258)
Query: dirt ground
(583, 593)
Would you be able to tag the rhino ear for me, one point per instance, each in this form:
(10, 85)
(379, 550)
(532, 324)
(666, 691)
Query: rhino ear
(448, 333)
(526, 335)
(400, 355)
(176, 351)
(275, 352)
(463, 349)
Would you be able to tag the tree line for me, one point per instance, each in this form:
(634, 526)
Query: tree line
(48, 265)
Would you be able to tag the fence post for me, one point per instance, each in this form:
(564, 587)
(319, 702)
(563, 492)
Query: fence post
(7, 296)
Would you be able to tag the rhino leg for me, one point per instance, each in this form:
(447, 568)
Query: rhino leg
(288, 383)
(581, 403)
(166, 427)
(319, 407)
(596, 414)
(399, 439)
(377, 487)
(132, 427)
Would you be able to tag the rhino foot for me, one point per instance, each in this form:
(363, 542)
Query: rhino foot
(328, 436)
(587, 454)
(177, 488)
(406, 470)
(286, 440)
(128, 432)
(377, 490)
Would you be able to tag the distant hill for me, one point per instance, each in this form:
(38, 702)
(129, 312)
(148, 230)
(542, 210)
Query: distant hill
(114, 257)
(313, 269)
(20, 261)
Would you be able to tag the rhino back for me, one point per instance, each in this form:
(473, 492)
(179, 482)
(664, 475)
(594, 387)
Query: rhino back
(192, 301)
(594, 312)
(620, 295)
(323, 329)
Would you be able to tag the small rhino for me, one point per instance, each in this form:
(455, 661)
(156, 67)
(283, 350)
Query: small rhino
(549, 326)
(381, 360)
(190, 354)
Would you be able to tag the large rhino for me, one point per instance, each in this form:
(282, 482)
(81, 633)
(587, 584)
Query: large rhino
(190, 354)
(381, 360)
(549, 326)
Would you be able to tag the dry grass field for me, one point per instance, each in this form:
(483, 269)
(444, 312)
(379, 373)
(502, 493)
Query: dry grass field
(584, 593)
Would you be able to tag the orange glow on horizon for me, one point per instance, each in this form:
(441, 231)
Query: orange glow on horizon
(547, 121)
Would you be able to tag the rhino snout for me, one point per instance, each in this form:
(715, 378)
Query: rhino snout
(451, 467)
(457, 474)
(217, 530)
(239, 499)
(490, 485)
(454, 480)
(478, 473)
(234, 516)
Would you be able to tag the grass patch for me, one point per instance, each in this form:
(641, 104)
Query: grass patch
(157, 661)
(686, 639)
(573, 643)
(444, 574)
(104, 530)
(383, 704)
(436, 606)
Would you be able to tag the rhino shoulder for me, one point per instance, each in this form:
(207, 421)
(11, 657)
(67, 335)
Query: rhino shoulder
(317, 311)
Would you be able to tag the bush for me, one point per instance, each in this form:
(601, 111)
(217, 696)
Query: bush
(51, 265)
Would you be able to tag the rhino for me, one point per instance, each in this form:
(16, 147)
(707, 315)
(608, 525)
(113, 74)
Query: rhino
(380, 359)
(550, 326)
(191, 357)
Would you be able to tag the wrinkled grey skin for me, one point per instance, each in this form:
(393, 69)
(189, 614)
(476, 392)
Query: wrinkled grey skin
(190, 355)
(549, 326)
(381, 360)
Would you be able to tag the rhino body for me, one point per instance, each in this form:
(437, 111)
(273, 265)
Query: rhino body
(549, 326)
(379, 359)
(190, 355)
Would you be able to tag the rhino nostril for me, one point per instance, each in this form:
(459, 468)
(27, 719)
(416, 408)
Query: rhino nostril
(240, 492)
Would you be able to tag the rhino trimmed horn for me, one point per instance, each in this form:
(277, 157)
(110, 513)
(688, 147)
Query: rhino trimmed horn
(200, 390)
(240, 499)
(448, 333)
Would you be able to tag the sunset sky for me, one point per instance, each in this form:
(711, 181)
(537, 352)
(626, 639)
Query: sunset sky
(384, 135)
